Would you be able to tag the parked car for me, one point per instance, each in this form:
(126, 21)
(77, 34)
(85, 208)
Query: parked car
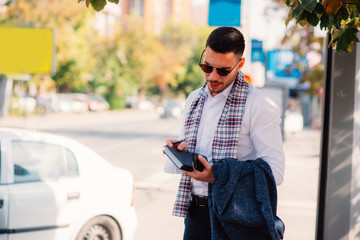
(55, 188)
(69, 102)
(172, 108)
(97, 103)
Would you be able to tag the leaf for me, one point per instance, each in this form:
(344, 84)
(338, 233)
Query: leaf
(332, 6)
(98, 5)
(319, 8)
(324, 21)
(343, 13)
(312, 18)
(287, 2)
(301, 17)
(309, 5)
(331, 20)
(297, 11)
(114, 1)
(346, 39)
(337, 22)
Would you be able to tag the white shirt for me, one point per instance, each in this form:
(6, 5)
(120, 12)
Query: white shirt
(260, 134)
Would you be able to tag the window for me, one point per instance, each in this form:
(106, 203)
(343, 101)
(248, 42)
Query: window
(71, 165)
(35, 161)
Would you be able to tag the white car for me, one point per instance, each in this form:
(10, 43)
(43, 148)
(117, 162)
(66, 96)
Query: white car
(54, 188)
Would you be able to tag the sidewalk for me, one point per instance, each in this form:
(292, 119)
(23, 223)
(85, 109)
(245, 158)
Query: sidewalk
(297, 196)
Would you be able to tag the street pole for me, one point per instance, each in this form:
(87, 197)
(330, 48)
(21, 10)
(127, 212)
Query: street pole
(338, 208)
(324, 142)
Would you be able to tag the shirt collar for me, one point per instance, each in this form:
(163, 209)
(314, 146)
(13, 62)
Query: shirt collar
(223, 94)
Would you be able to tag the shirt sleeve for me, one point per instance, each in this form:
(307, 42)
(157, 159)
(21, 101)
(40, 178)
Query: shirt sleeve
(169, 166)
(265, 134)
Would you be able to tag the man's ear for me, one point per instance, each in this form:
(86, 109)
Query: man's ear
(241, 63)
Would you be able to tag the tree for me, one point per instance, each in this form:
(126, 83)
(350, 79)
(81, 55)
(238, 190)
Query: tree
(98, 5)
(340, 18)
(72, 28)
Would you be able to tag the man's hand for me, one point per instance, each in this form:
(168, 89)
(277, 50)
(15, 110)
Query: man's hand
(180, 146)
(206, 175)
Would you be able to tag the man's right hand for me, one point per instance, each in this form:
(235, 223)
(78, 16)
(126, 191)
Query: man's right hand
(180, 146)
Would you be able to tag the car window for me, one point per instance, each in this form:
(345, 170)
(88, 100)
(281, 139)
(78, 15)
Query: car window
(35, 161)
(71, 165)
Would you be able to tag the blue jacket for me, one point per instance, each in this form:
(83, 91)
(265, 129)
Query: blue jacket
(243, 201)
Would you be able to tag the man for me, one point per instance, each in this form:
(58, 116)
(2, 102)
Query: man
(227, 118)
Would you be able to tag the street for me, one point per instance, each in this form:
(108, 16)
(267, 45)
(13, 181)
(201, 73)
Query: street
(134, 140)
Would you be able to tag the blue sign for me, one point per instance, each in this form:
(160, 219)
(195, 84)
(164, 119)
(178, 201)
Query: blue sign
(257, 53)
(225, 13)
(282, 66)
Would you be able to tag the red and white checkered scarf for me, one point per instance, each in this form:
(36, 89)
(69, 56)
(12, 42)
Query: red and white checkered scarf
(226, 137)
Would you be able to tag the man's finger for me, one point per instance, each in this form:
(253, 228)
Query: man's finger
(203, 161)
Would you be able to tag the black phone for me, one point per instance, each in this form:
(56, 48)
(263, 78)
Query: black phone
(197, 164)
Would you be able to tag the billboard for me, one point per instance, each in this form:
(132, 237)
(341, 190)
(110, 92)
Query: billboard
(225, 13)
(26, 50)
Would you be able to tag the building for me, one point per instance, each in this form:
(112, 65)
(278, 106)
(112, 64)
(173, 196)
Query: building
(157, 13)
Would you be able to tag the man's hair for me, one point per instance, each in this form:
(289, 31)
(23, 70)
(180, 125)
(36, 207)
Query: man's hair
(225, 40)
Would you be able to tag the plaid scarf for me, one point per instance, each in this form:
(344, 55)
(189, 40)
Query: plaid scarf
(226, 137)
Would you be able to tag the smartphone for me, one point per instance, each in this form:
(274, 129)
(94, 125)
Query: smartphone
(197, 164)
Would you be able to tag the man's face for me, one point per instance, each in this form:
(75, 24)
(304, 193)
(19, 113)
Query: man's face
(215, 82)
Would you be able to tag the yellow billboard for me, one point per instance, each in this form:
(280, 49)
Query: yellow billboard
(26, 50)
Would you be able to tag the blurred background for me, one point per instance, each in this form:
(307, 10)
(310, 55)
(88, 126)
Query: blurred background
(139, 54)
(120, 77)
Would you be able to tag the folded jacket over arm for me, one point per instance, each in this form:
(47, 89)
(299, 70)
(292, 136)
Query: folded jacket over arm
(243, 201)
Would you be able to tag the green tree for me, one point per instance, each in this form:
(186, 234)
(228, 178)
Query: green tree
(183, 44)
(125, 63)
(191, 76)
(340, 18)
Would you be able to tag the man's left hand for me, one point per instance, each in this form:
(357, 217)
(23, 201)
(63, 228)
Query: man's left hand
(206, 175)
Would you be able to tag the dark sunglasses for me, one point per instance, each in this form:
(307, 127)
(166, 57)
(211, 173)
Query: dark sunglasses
(221, 71)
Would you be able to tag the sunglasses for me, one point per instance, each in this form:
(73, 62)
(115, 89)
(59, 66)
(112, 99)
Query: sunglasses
(223, 72)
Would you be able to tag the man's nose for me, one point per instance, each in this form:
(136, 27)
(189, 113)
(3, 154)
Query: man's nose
(214, 75)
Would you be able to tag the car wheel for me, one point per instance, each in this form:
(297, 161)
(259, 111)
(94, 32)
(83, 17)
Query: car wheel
(100, 228)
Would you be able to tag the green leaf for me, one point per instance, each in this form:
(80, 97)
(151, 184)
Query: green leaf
(297, 11)
(301, 17)
(337, 22)
(98, 5)
(343, 13)
(319, 8)
(324, 22)
(346, 39)
(114, 1)
(309, 5)
(331, 20)
(312, 18)
(287, 2)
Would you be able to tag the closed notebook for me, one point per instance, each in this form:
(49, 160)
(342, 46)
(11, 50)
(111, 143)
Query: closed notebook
(183, 160)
